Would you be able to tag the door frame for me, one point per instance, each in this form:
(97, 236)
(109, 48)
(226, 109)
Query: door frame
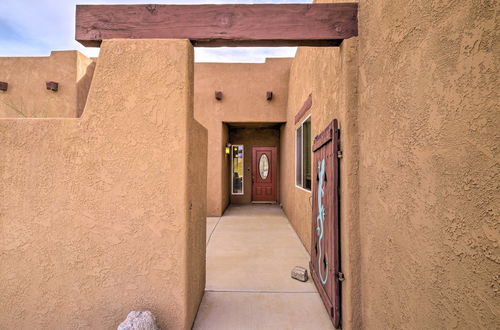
(274, 161)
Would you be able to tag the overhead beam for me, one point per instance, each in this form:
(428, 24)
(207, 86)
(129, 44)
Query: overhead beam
(220, 25)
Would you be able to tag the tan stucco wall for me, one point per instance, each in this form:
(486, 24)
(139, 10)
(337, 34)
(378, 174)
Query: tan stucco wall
(27, 95)
(253, 137)
(330, 75)
(244, 88)
(105, 214)
(419, 177)
(415, 96)
(429, 164)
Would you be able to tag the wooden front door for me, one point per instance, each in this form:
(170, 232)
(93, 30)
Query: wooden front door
(264, 174)
(325, 253)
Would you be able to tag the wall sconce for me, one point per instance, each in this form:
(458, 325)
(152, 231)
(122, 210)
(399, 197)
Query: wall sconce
(269, 96)
(4, 86)
(52, 86)
(218, 95)
(228, 149)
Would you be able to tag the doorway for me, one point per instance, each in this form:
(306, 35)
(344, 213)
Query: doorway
(253, 163)
(264, 174)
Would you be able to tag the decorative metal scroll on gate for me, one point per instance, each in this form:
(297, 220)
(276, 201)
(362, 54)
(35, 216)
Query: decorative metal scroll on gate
(325, 254)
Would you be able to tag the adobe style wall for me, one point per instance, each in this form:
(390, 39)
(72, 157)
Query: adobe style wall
(429, 166)
(330, 75)
(105, 214)
(415, 95)
(244, 88)
(27, 95)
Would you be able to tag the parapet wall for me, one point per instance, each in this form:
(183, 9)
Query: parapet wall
(99, 215)
(27, 95)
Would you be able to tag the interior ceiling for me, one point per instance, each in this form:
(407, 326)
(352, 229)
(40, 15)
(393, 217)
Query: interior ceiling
(255, 124)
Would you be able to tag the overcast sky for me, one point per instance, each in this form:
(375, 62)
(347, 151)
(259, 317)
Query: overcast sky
(35, 27)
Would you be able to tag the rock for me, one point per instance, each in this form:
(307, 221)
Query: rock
(300, 274)
(139, 321)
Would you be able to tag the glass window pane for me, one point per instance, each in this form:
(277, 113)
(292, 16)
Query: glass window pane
(298, 159)
(237, 169)
(306, 134)
(263, 166)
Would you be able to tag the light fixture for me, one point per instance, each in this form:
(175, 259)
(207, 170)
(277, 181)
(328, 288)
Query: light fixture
(3, 86)
(52, 86)
(269, 96)
(218, 95)
(228, 149)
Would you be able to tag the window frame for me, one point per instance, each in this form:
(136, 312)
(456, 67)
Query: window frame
(301, 127)
(232, 170)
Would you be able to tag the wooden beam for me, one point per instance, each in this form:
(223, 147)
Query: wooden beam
(305, 107)
(220, 25)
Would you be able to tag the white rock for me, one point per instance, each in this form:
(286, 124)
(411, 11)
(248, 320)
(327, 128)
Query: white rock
(139, 321)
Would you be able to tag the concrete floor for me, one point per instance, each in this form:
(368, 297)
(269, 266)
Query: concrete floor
(251, 251)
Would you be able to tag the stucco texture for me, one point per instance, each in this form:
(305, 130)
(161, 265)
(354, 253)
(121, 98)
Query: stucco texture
(27, 95)
(244, 87)
(417, 103)
(104, 214)
(429, 164)
(330, 75)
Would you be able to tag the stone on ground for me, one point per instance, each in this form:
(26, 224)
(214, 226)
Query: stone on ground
(137, 320)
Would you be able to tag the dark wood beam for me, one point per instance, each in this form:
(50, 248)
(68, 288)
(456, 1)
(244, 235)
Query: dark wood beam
(305, 107)
(220, 25)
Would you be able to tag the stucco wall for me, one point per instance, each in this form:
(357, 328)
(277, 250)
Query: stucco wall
(251, 137)
(105, 214)
(330, 74)
(429, 164)
(244, 88)
(419, 177)
(27, 95)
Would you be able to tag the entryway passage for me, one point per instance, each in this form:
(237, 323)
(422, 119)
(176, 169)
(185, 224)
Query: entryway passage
(251, 251)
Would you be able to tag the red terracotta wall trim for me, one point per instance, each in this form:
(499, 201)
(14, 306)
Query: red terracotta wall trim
(307, 105)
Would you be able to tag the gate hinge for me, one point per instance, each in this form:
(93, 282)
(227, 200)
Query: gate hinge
(339, 154)
(341, 277)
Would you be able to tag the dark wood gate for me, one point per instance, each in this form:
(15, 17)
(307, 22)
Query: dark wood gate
(325, 254)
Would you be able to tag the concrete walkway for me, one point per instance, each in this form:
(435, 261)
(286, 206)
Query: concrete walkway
(251, 251)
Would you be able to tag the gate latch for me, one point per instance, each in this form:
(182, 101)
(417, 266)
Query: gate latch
(341, 276)
(339, 154)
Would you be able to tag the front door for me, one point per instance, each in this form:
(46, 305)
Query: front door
(264, 174)
(325, 253)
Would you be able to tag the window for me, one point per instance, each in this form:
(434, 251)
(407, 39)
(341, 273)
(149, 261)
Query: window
(237, 170)
(303, 155)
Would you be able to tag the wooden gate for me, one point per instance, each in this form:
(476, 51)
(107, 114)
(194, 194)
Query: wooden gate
(325, 254)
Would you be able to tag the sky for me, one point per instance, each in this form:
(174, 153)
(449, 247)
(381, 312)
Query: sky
(36, 27)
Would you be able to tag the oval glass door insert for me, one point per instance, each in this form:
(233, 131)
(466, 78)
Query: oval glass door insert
(264, 166)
